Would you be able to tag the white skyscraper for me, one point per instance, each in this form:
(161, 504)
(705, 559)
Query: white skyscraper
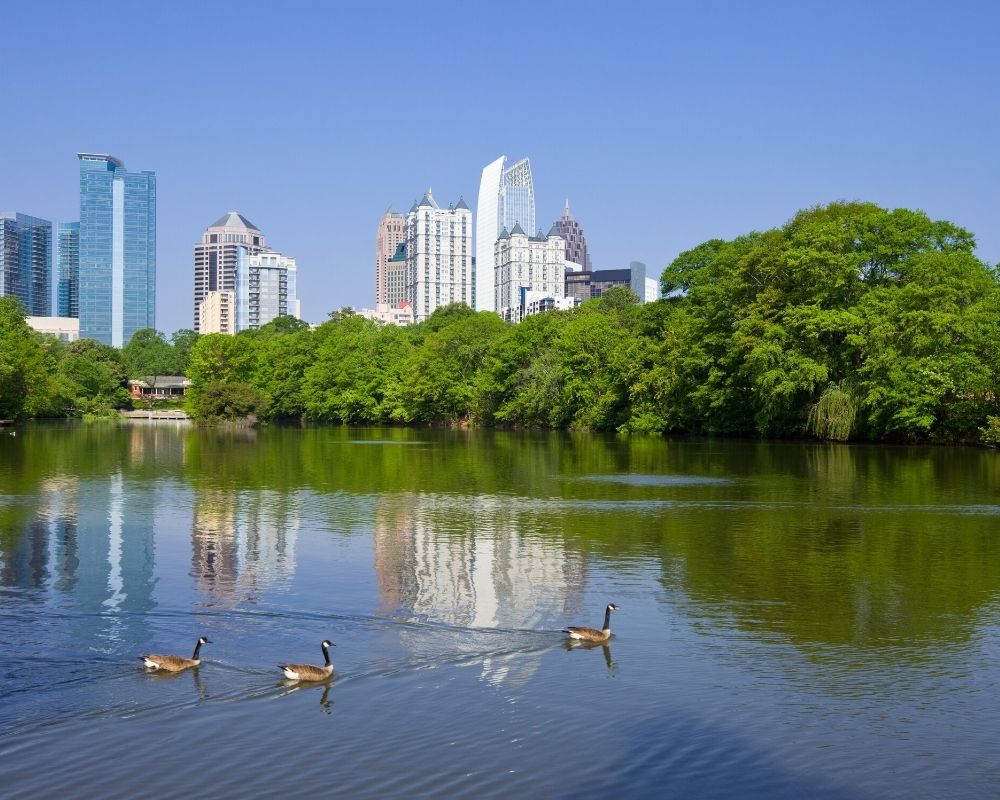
(506, 199)
(438, 256)
(528, 267)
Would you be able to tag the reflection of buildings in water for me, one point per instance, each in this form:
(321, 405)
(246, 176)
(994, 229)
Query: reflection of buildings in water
(490, 573)
(92, 542)
(115, 529)
(156, 444)
(242, 542)
(45, 555)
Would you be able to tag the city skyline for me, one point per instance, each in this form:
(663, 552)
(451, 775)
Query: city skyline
(700, 125)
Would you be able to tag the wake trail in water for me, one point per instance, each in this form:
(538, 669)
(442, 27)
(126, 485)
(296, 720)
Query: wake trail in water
(119, 688)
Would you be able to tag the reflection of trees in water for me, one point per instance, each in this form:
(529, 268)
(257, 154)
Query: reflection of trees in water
(860, 546)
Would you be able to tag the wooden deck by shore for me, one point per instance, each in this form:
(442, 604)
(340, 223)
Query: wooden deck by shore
(156, 416)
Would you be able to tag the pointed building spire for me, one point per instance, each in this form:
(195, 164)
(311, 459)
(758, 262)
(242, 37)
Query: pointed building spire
(566, 213)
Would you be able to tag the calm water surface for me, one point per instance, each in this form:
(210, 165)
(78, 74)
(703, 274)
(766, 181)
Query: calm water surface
(797, 620)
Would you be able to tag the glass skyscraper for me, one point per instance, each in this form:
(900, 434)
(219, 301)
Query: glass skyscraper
(506, 199)
(117, 250)
(517, 198)
(26, 262)
(68, 281)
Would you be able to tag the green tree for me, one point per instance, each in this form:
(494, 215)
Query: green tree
(442, 375)
(357, 364)
(522, 376)
(849, 294)
(26, 388)
(182, 340)
(283, 349)
(228, 400)
(91, 378)
(149, 353)
(218, 358)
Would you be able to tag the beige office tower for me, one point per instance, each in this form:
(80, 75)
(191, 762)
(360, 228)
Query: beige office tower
(391, 233)
(215, 258)
(217, 313)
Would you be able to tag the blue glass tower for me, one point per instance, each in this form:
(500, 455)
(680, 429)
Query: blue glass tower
(26, 262)
(68, 281)
(117, 250)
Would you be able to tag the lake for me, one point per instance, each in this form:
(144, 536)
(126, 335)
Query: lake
(796, 620)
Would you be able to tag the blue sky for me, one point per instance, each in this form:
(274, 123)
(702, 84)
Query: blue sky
(666, 124)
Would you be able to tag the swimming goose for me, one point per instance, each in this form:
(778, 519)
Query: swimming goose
(174, 663)
(592, 634)
(307, 672)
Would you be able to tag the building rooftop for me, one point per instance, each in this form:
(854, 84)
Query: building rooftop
(162, 381)
(428, 199)
(101, 157)
(233, 219)
(517, 230)
(461, 204)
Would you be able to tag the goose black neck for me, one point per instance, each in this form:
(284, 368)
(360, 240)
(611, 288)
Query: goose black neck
(326, 656)
(607, 618)
(197, 649)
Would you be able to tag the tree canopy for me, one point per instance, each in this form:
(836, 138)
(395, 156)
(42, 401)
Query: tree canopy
(849, 321)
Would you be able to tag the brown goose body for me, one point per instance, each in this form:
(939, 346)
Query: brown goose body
(593, 634)
(309, 672)
(588, 634)
(170, 663)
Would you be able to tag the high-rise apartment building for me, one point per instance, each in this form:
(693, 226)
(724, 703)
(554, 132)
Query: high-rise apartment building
(217, 314)
(26, 261)
(216, 256)
(438, 256)
(265, 288)
(391, 233)
(527, 264)
(576, 242)
(117, 250)
(506, 199)
(68, 276)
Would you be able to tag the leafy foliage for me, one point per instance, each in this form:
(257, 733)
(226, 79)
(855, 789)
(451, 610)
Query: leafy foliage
(848, 321)
(225, 400)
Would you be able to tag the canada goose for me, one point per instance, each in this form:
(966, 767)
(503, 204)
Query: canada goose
(307, 672)
(592, 634)
(174, 663)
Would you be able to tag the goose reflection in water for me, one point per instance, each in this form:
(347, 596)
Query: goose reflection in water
(576, 644)
(156, 676)
(290, 687)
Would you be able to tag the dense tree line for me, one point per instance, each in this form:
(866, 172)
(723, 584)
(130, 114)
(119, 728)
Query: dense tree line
(41, 376)
(850, 321)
